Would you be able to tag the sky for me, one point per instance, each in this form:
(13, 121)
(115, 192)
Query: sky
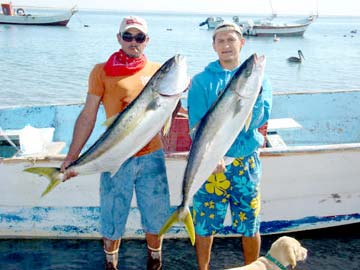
(324, 7)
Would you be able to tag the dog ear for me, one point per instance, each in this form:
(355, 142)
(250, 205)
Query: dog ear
(292, 256)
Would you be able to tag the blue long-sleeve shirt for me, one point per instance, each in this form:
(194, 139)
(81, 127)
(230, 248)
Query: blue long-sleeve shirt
(204, 90)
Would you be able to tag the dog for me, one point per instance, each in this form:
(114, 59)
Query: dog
(283, 252)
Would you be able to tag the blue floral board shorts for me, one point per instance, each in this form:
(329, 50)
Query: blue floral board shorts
(238, 186)
(147, 175)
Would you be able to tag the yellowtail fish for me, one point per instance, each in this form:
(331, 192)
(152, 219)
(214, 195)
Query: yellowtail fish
(132, 128)
(216, 132)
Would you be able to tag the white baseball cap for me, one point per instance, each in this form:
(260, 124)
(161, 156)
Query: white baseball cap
(133, 22)
(227, 26)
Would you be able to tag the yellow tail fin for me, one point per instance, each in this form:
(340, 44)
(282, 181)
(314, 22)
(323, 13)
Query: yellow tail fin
(187, 220)
(50, 172)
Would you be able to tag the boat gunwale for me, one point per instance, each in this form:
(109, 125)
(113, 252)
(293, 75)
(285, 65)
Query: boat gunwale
(282, 93)
(310, 149)
(271, 151)
(290, 150)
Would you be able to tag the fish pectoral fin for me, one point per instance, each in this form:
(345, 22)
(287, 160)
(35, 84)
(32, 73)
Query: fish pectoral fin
(109, 121)
(167, 126)
(52, 173)
(248, 121)
(193, 131)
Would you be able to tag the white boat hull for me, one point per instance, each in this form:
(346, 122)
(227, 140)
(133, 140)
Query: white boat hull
(263, 30)
(317, 192)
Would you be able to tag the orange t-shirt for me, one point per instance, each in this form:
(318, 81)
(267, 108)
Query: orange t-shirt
(119, 91)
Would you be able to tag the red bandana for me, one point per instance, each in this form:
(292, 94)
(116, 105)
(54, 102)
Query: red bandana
(119, 64)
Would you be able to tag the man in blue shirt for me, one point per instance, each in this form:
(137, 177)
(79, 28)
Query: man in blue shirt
(236, 179)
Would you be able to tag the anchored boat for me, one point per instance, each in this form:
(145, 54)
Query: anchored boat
(272, 26)
(310, 169)
(19, 16)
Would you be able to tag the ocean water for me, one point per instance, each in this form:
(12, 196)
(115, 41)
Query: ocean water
(50, 65)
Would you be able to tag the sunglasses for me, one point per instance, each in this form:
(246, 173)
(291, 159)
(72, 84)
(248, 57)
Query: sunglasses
(139, 38)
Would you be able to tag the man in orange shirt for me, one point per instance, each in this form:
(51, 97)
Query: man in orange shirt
(115, 84)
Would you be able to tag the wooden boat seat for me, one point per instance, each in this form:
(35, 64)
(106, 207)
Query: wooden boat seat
(273, 139)
(282, 123)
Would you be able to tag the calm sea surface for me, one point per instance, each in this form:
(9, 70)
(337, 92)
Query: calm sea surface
(43, 65)
(47, 65)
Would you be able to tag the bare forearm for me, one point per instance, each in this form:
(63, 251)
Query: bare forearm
(82, 131)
